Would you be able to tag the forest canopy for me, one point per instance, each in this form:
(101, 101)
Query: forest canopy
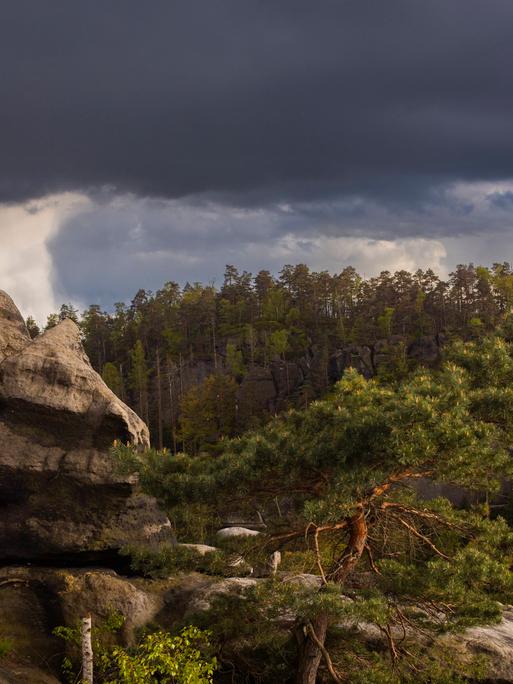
(199, 363)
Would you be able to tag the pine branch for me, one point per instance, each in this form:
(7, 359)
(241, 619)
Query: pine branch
(423, 538)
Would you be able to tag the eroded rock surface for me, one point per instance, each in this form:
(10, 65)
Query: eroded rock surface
(61, 495)
(495, 643)
(13, 333)
(51, 377)
(34, 601)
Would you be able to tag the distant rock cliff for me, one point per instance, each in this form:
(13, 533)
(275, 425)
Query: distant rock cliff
(60, 494)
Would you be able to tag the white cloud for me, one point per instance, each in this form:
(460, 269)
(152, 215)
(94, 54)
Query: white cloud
(72, 248)
(25, 261)
(368, 256)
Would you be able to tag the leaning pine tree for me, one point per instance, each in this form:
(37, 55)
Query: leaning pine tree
(352, 466)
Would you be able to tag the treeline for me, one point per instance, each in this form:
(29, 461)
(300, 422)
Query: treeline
(180, 356)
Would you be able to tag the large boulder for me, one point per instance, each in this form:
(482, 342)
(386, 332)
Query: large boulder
(203, 599)
(62, 496)
(494, 642)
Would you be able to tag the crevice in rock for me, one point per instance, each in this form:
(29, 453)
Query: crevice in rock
(108, 559)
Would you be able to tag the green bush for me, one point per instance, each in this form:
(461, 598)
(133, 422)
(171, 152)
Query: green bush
(169, 560)
(165, 659)
(6, 646)
(158, 658)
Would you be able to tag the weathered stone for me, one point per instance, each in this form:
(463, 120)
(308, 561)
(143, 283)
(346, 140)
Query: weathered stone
(12, 672)
(201, 549)
(35, 600)
(202, 599)
(494, 642)
(61, 493)
(304, 580)
(352, 356)
(287, 377)
(230, 532)
(256, 396)
(425, 349)
(14, 335)
(52, 377)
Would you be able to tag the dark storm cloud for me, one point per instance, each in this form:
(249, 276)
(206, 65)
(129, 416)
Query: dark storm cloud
(254, 101)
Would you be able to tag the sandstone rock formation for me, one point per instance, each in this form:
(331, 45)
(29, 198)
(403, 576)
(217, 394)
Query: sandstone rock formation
(256, 396)
(61, 495)
(230, 532)
(38, 599)
(200, 549)
(35, 600)
(367, 359)
(494, 642)
(13, 333)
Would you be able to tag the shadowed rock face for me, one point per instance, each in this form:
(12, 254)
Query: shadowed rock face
(60, 493)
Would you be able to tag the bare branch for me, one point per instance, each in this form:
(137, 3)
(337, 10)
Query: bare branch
(422, 537)
(329, 664)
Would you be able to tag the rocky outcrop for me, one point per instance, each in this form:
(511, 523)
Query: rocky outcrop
(13, 333)
(62, 596)
(34, 601)
(367, 359)
(52, 378)
(426, 349)
(23, 673)
(256, 396)
(353, 356)
(287, 377)
(494, 642)
(62, 497)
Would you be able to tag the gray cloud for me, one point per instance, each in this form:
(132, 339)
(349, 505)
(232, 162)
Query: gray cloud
(502, 200)
(255, 101)
(195, 133)
(107, 250)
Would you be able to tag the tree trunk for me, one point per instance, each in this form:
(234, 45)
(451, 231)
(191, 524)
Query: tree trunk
(87, 651)
(172, 406)
(309, 652)
(355, 546)
(214, 343)
(159, 403)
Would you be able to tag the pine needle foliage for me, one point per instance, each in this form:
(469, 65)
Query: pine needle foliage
(344, 479)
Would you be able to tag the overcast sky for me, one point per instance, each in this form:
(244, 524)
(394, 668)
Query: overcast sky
(149, 141)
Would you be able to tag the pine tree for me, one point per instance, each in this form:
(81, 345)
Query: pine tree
(139, 378)
(113, 379)
(32, 327)
(348, 466)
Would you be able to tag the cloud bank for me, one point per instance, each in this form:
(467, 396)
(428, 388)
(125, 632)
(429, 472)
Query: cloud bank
(255, 100)
(163, 140)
